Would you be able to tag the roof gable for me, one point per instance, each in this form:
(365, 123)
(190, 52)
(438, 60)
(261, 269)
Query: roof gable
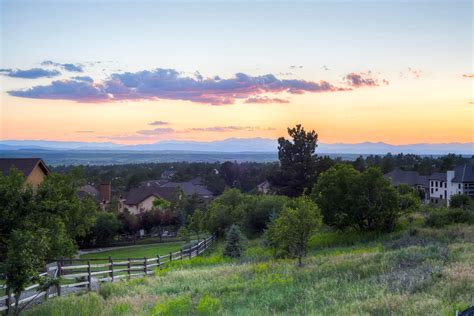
(24, 165)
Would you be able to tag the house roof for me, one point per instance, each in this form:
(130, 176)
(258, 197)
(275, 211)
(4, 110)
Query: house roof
(139, 194)
(25, 165)
(89, 190)
(440, 176)
(411, 178)
(191, 187)
(464, 173)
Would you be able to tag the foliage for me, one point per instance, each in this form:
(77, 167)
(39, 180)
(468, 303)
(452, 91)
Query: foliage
(368, 277)
(130, 222)
(181, 305)
(106, 228)
(208, 305)
(251, 212)
(439, 217)
(234, 243)
(297, 162)
(362, 200)
(195, 222)
(290, 232)
(461, 201)
(25, 257)
(184, 234)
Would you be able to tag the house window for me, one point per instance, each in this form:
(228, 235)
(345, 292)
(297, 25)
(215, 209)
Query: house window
(440, 196)
(432, 190)
(445, 184)
(459, 186)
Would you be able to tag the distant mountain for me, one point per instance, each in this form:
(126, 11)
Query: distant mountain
(233, 145)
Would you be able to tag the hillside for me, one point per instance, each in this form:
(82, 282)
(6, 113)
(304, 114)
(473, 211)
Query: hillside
(414, 271)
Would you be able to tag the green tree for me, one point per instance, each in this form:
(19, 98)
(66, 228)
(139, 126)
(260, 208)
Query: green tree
(461, 201)
(234, 243)
(297, 162)
(409, 198)
(27, 250)
(333, 194)
(195, 223)
(106, 228)
(365, 201)
(291, 230)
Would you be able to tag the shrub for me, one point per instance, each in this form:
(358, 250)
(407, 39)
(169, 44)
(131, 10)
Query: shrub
(443, 216)
(181, 305)
(208, 305)
(461, 201)
(234, 245)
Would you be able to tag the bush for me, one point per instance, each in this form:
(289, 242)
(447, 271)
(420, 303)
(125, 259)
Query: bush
(181, 305)
(208, 305)
(443, 216)
(234, 244)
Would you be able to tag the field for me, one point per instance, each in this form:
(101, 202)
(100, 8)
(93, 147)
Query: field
(415, 271)
(149, 251)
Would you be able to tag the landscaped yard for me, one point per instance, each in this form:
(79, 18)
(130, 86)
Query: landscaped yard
(416, 271)
(149, 251)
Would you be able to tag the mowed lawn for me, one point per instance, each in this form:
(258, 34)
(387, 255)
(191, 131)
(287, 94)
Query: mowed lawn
(421, 271)
(149, 251)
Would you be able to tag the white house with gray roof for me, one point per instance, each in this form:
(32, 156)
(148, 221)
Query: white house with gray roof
(443, 185)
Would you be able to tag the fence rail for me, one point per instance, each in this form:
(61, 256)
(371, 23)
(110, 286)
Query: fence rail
(86, 274)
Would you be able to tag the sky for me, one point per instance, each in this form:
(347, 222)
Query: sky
(399, 72)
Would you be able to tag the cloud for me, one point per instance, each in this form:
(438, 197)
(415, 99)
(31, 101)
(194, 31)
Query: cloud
(412, 73)
(265, 100)
(468, 75)
(362, 79)
(68, 66)
(159, 123)
(295, 67)
(156, 131)
(79, 91)
(169, 84)
(83, 78)
(33, 73)
(84, 132)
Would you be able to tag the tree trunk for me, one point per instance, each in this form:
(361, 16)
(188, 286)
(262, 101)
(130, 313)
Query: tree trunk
(16, 312)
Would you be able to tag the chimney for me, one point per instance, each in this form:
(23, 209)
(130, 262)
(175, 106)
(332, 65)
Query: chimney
(105, 191)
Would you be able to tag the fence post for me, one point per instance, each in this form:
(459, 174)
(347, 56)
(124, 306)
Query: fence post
(111, 269)
(129, 266)
(89, 276)
(158, 260)
(60, 267)
(171, 256)
(190, 252)
(8, 301)
(181, 254)
(145, 268)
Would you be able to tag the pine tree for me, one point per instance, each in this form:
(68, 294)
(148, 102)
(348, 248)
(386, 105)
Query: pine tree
(234, 245)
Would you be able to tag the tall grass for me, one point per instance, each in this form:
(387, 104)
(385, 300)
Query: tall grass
(419, 272)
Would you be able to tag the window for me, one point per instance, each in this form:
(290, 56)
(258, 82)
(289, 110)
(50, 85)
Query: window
(440, 196)
(445, 184)
(432, 190)
(459, 186)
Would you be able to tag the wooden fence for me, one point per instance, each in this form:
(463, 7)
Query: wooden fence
(86, 274)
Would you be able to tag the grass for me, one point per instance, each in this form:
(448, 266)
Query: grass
(150, 251)
(416, 271)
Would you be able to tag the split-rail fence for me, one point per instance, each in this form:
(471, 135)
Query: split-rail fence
(76, 275)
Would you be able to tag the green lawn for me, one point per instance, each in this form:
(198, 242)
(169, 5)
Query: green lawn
(149, 251)
(417, 271)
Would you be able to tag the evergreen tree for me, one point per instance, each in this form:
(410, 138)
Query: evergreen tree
(234, 244)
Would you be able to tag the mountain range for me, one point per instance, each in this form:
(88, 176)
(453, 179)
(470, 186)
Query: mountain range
(234, 145)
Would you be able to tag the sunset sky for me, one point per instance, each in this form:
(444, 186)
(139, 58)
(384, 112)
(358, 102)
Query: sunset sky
(140, 72)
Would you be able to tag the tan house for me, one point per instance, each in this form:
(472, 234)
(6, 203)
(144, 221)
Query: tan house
(140, 199)
(34, 169)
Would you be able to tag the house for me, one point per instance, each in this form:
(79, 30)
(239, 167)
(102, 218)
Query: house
(167, 174)
(34, 169)
(103, 195)
(189, 188)
(264, 187)
(140, 199)
(410, 178)
(443, 185)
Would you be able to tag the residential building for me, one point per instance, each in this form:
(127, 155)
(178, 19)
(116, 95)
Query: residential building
(412, 179)
(443, 185)
(140, 199)
(34, 169)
